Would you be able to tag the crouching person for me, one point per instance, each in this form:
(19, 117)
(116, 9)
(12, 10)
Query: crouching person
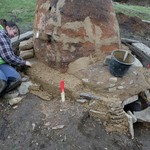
(9, 77)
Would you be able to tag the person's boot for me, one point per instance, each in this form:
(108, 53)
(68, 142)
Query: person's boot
(12, 85)
(2, 86)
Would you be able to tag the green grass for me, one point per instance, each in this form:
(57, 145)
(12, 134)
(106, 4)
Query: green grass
(20, 11)
(131, 10)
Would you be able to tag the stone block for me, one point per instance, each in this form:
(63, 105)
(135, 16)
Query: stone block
(27, 54)
(26, 44)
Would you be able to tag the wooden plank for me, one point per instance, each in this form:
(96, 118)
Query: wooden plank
(129, 40)
(22, 37)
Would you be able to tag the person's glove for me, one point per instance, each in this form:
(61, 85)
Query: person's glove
(28, 64)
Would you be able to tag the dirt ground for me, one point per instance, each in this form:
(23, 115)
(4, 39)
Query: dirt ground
(53, 125)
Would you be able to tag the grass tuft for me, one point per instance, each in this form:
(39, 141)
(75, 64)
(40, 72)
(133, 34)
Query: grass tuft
(20, 11)
(132, 10)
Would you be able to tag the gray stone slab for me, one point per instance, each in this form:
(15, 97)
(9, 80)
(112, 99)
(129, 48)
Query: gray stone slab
(142, 47)
(22, 37)
(129, 40)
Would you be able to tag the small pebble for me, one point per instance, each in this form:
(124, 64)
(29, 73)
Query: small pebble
(120, 87)
(113, 80)
(58, 127)
(15, 101)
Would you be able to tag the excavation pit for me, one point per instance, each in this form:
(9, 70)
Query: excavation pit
(109, 92)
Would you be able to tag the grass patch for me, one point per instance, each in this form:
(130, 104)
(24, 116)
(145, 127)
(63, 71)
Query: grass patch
(20, 11)
(132, 10)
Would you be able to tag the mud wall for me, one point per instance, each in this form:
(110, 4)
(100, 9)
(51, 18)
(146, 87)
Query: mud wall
(71, 29)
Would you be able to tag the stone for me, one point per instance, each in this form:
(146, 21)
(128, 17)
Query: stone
(131, 82)
(89, 96)
(113, 79)
(82, 101)
(58, 127)
(25, 79)
(26, 44)
(142, 47)
(24, 87)
(85, 80)
(38, 91)
(27, 54)
(120, 87)
(143, 116)
(22, 37)
(33, 126)
(130, 122)
(15, 101)
(97, 112)
(15, 106)
(134, 72)
(129, 40)
(137, 63)
(147, 93)
(122, 83)
(130, 100)
(112, 89)
(111, 85)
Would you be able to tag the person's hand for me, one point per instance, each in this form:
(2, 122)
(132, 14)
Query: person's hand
(28, 64)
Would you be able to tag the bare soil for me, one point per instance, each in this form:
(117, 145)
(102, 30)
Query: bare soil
(30, 127)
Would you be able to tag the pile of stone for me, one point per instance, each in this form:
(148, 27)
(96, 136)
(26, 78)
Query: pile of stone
(16, 95)
(26, 49)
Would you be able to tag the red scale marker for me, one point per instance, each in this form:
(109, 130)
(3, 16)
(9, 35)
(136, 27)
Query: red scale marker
(62, 88)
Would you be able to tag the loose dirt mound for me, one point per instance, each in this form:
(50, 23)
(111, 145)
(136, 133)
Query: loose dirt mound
(134, 28)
